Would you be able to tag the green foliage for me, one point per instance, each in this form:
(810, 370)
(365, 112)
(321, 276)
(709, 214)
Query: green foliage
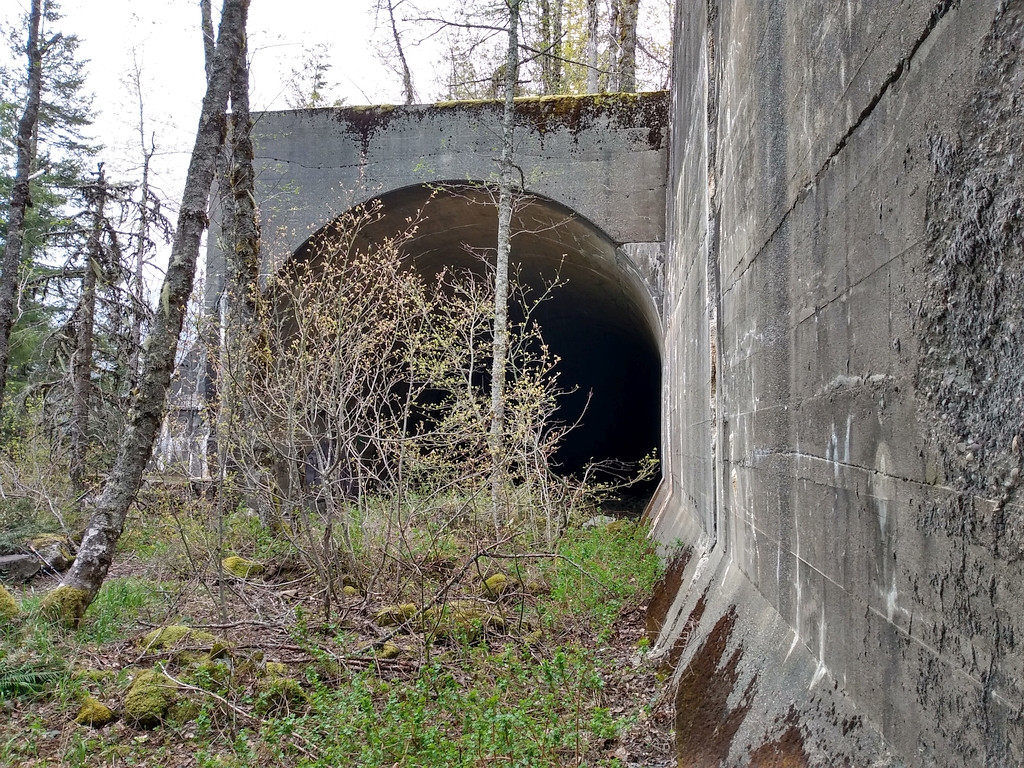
(27, 678)
(598, 572)
(117, 606)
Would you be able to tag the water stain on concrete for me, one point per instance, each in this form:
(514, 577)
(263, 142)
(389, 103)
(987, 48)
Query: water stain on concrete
(705, 723)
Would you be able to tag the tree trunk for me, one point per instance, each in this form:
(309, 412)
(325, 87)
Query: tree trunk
(11, 261)
(81, 365)
(407, 89)
(505, 193)
(68, 602)
(593, 20)
(245, 266)
(626, 65)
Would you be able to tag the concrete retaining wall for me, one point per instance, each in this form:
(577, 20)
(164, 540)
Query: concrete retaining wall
(844, 397)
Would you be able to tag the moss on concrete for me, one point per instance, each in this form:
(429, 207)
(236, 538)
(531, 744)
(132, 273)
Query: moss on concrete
(150, 697)
(65, 606)
(94, 713)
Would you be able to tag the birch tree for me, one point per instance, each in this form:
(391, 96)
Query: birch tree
(506, 191)
(68, 602)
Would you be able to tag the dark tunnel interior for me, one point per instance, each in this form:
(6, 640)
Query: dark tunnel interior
(600, 321)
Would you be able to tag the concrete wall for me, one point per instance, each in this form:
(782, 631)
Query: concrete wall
(602, 157)
(845, 247)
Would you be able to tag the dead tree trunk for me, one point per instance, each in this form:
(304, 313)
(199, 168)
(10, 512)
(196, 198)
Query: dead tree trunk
(11, 261)
(68, 602)
(81, 364)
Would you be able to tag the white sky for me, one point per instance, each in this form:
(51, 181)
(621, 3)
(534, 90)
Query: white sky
(164, 37)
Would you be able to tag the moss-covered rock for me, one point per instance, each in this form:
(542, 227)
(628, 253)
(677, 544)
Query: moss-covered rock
(389, 650)
(622, 526)
(65, 606)
(349, 591)
(461, 620)
(537, 587)
(393, 615)
(149, 698)
(280, 695)
(241, 568)
(276, 669)
(9, 609)
(94, 713)
(54, 549)
(497, 585)
(179, 636)
(211, 675)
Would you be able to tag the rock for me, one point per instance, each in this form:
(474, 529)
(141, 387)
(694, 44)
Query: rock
(497, 585)
(9, 609)
(280, 695)
(393, 615)
(241, 568)
(598, 521)
(94, 713)
(17, 568)
(149, 699)
(177, 636)
(54, 550)
(461, 620)
(389, 650)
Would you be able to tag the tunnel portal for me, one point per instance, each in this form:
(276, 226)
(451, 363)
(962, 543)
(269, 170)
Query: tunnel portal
(600, 320)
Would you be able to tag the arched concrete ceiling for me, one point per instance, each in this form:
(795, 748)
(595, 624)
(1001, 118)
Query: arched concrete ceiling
(601, 320)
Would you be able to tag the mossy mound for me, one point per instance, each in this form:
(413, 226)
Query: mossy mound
(9, 609)
(65, 606)
(393, 615)
(175, 636)
(461, 620)
(241, 568)
(94, 713)
(280, 696)
(212, 675)
(349, 591)
(497, 585)
(276, 669)
(150, 697)
(389, 650)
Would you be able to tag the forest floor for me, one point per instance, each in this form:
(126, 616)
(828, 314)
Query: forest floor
(449, 652)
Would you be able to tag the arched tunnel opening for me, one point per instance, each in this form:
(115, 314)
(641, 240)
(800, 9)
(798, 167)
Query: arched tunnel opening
(600, 320)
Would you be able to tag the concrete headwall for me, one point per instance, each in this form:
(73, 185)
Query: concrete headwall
(844, 384)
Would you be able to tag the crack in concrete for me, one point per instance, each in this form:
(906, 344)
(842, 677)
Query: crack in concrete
(903, 65)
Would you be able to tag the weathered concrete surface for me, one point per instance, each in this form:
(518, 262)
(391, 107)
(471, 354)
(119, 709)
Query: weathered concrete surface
(603, 158)
(844, 383)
